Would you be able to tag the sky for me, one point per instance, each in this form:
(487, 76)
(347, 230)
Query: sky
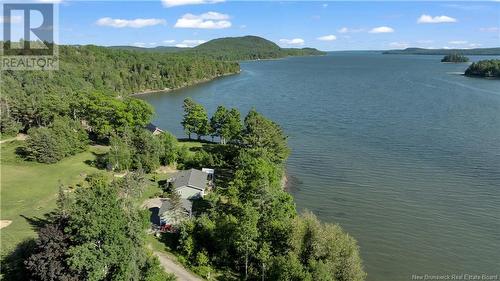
(326, 25)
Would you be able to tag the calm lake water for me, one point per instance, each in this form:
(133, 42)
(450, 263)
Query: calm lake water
(401, 150)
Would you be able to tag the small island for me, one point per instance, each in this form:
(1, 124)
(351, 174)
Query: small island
(455, 58)
(484, 68)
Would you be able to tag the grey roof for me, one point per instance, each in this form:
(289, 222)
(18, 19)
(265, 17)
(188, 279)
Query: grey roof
(152, 128)
(190, 178)
(187, 205)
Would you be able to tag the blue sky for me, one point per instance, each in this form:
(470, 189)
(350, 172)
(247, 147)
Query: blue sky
(326, 25)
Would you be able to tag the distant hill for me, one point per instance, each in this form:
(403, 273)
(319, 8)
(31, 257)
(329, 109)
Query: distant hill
(159, 49)
(234, 49)
(422, 51)
(248, 48)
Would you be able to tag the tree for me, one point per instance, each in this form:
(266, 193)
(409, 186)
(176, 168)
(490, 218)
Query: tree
(226, 124)
(148, 149)
(170, 148)
(326, 249)
(247, 234)
(217, 121)
(106, 114)
(43, 146)
(233, 125)
(48, 261)
(119, 157)
(101, 231)
(261, 132)
(188, 121)
(264, 257)
(63, 138)
(195, 119)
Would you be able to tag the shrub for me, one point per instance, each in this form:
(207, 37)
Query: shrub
(63, 138)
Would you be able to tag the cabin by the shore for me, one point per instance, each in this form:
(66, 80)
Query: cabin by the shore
(153, 129)
(190, 184)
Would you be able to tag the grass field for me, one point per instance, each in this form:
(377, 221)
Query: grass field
(28, 190)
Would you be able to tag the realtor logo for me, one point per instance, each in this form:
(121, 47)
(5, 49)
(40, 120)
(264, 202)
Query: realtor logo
(29, 37)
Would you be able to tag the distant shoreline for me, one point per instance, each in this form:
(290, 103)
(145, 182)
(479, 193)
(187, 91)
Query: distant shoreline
(195, 83)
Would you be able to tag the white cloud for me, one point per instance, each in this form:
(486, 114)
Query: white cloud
(210, 20)
(382, 29)
(173, 3)
(135, 23)
(139, 44)
(330, 37)
(190, 43)
(294, 41)
(457, 42)
(11, 19)
(437, 19)
(349, 30)
(399, 45)
(169, 41)
(490, 29)
(474, 45)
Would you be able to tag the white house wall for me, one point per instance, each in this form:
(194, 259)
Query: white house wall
(188, 192)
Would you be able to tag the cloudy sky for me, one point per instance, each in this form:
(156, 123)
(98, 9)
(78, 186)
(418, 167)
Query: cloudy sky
(327, 25)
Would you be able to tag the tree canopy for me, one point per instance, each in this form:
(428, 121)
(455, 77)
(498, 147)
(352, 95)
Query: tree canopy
(484, 68)
(455, 57)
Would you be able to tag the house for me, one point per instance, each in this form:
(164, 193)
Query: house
(171, 217)
(190, 183)
(153, 129)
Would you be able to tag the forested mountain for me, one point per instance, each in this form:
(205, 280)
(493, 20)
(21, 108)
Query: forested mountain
(422, 51)
(234, 49)
(247, 48)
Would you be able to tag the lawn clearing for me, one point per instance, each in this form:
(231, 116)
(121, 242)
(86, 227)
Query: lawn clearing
(28, 190)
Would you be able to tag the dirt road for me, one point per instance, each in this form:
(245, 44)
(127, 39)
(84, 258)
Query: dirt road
(178, 270)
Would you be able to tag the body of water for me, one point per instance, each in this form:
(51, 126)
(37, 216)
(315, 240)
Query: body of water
(401, 150)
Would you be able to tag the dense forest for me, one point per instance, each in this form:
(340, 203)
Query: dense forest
(34, 98)
(484, 68)
(422, 51)
(455, 57)
(235, 49)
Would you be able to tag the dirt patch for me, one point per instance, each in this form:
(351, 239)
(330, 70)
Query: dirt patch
(4, 223)
(19, 137)
(166, 170)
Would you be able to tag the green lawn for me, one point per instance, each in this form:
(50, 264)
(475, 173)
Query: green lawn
(28, 190)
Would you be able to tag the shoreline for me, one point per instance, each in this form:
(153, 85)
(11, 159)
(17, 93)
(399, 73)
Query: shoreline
(201, 81)
(195, 83)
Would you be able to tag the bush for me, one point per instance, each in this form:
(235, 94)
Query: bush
(63, 138)
(119, 157)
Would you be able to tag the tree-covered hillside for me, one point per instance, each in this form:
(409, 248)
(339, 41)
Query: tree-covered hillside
(34, 98)
(247, 48)
(233, 49)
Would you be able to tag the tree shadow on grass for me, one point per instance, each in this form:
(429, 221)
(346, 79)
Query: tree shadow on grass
(99, 162)
(37, 223)
(13, 264)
